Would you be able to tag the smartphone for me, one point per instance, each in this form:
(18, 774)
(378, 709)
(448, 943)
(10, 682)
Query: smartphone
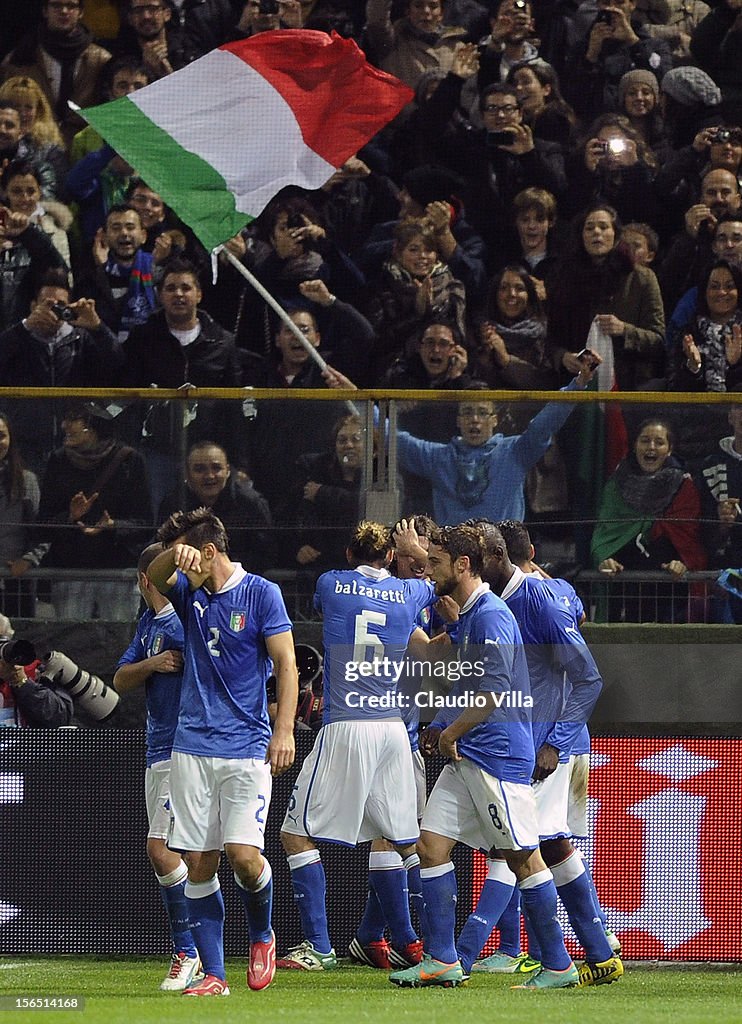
(616, 145)
(503, 138)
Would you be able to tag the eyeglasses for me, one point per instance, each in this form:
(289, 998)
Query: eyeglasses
(505, 108)
(475, 414)
(145, 9)
(436, 343)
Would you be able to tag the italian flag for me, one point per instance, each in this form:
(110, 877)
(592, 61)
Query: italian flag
(219, 138)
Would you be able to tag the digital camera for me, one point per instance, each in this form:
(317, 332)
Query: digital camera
(89, 691)
(17, 652)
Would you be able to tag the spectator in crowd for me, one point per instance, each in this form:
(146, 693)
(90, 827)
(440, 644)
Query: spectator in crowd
(26, 253)
(614, 165)
(544, 108)
(688, 98)
(439, 361)
(414, 286)
(642, 242)
(14, 146)
(717, 48)
(20, 184)
(706, 353)
(720, 484)
(119, 77)
(512, 351)
(207, 23)
(26, 700)
(435, 194)
(121, 281)
(511, 41)
(19, 505)
(498, 160)
(40, 130)
(625, 299)
(256, 19)
(617, 43)
(480, 473)
(532, 243)
(62, 57)
(152, 37)
(98, 183)
(181, 344)
(59, 344)
(93, 514)
(691, 249)
(211, 483)
(151, 209)
(683, 19)
(415, 43)
(329, 497)
(649, 518)
(639, 101)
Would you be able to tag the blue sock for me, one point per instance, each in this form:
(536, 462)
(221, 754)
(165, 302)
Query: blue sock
(388, 879)
(494, 898)
(373, 922)
(206, 915)
(258, 904)
(172, 891)
(596, 899)
(309, 885)
(415, 889)
(509, 925)
(575, 892)
(534, 950)
(439, 896)
(539, 898)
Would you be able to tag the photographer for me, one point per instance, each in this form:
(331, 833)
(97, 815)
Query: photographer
(26, 697)
(59, 344)
(267, 15)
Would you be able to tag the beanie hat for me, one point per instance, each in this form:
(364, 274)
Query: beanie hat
(691, 87)
(637, 77)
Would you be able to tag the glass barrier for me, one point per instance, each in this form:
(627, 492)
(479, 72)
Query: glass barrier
(636, 502)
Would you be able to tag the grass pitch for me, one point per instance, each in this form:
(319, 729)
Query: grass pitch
(126, 992)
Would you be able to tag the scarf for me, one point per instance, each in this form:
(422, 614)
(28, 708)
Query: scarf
(524, 339)
(91, 458)
(648, 494)
(712, 346)
(66, 49)
(141, 299)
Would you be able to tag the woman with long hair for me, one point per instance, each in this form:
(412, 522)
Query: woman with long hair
(37, 119)
(512, 352)
(544, 108)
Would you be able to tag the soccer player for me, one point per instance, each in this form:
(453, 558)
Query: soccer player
(370, 946)
(565, 684)
(154, 659)
(359, 781)
(236, 633)
(483, 796)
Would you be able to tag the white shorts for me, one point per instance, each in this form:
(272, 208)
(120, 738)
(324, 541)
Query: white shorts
(552, 801)
(358, 783)
(472, 807)
(421, 782)
(217, 800)
(577, 809)
(157, 799)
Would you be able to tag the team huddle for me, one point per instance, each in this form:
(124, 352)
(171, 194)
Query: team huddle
(512, 728)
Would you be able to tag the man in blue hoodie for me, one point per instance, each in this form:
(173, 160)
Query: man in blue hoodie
(480, 472)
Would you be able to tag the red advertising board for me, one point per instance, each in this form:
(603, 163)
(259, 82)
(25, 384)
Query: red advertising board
(665, 846)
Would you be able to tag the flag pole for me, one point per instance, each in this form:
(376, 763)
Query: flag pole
(283, 315)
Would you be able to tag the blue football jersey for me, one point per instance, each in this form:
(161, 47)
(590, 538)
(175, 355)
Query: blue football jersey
(369, 617)
(223, 708)
(503, 744)
(565, 681)
(154, 634)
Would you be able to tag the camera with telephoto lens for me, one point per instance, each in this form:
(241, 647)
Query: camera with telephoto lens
(63, 311)
(311, 701)
(88, 691)
(17, 652)
(268, 7)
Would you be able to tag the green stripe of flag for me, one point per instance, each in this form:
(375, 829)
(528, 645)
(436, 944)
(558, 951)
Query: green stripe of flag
(185, 181)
